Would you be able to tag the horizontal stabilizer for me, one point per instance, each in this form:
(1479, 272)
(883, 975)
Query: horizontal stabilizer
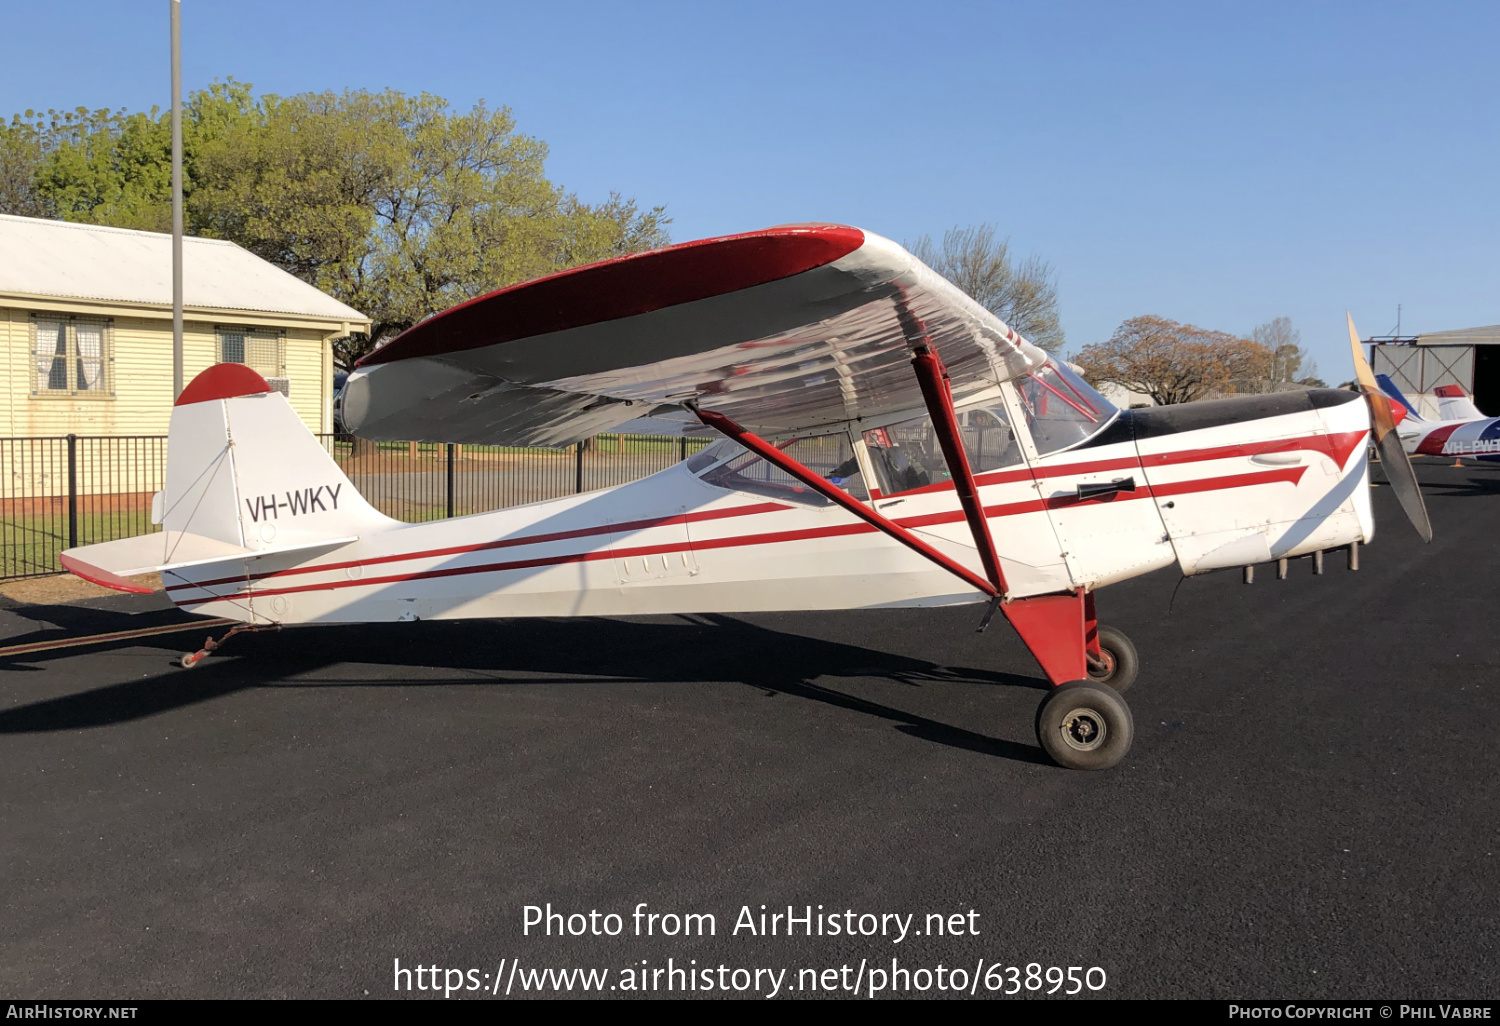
(110, 563)
(94, 575)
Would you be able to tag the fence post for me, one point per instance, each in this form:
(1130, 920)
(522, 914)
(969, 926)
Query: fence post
(578, 469)
(682, 448)
(72, 491)
(450, 480)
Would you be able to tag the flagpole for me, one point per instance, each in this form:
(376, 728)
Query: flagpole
(176, 198)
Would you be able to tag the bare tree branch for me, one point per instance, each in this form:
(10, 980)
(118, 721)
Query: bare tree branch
(1291, 367)
(1024, 296)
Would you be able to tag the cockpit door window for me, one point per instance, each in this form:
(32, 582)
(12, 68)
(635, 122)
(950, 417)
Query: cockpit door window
(731, 465)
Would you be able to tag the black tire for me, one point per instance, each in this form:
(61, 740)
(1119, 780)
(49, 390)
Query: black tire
(1085, 726)
(1120, 658)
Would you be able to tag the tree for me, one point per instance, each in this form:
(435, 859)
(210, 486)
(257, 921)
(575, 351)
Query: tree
(1024, 297)
(1290, 365)
(1173, 362)
(21, 149)
(109, 168)
(103, 166)
(397, 205)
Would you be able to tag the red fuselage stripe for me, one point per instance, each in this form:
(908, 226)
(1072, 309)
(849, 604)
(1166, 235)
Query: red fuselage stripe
(1436, 440)
(504, 543)
(1290, 474)
(574, 557)
(1337, 447)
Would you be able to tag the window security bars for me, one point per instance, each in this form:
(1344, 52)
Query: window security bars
(72, 356)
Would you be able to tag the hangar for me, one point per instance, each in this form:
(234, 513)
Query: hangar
(1468, 357)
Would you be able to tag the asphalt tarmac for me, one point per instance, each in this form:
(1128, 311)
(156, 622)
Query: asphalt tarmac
(1310, 808)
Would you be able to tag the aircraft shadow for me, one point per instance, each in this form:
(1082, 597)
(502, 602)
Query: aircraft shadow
(1474, 486)
(559, 652)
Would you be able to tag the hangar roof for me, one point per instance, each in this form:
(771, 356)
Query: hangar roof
(84, 261)
(1489, 335)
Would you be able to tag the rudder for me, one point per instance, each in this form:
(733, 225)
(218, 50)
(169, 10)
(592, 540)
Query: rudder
(242, 468)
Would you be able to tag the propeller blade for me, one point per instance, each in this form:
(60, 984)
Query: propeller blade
(1393, 457)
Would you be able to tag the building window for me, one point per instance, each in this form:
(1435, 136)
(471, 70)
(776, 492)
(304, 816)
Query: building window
(72, 355)
(263, 350)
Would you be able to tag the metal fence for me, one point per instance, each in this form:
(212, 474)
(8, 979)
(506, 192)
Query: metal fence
(57, 493)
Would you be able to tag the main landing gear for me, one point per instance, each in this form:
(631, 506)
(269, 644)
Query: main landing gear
(1085, 724)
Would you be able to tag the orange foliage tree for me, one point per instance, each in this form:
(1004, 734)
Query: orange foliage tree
(1176, 363)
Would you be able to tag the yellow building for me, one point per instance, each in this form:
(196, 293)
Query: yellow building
(86, 328)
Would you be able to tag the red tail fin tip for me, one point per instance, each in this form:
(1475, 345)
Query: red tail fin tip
(223, 381)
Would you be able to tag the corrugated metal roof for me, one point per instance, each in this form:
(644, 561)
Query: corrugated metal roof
(1485, 336)
(85, 261)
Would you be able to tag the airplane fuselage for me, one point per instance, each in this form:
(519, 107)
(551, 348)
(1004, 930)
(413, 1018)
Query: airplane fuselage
(1207, 486)
(1465, 439)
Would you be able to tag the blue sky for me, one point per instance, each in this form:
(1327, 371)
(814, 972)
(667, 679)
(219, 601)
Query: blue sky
(1221, 163)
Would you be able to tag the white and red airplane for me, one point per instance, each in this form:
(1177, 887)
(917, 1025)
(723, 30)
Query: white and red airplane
(1460, 431)
(886, 442)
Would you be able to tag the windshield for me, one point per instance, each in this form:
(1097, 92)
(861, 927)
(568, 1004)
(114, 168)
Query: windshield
(727, 464)
(1061, 409)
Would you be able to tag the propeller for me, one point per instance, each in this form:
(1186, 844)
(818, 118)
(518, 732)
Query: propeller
(1392, 456)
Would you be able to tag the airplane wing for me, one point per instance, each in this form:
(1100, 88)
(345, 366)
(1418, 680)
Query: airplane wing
(783, 330)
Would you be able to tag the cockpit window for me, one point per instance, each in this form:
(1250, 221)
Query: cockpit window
(731, 465)
(1061, 409)
(714, 452)
(989, 441)
(907, 456)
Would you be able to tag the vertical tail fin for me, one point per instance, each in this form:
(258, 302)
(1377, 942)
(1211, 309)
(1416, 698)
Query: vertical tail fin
(242, 468)
(1392, 392)
(1453, 404)
(244, 478)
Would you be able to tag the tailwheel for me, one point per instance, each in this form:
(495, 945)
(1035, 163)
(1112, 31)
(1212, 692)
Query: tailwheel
(1086, 726)
(1118, 664)
(191, 659)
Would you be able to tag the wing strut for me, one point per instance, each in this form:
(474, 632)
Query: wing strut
(1052, 626)
(934, 381)
(774, 456)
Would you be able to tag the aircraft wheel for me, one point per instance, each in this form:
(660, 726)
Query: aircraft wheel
(1121, 664)
(1085, 726)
